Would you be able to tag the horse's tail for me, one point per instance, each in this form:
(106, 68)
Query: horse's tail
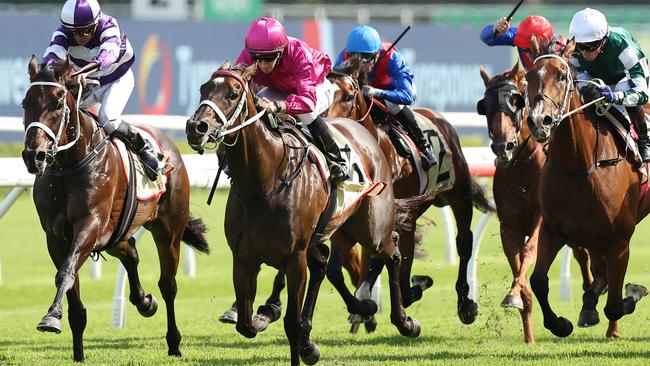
(193, 235)
(406, 210)
(479, 200)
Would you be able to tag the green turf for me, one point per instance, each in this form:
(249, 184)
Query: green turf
(495, 338)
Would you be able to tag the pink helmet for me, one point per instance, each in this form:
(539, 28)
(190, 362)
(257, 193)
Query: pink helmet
(265, 35)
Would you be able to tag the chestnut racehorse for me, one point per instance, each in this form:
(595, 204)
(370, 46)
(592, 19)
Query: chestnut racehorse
(589, 190)
(80, 194)
(275, 203)
(349, 102)
(519, 163)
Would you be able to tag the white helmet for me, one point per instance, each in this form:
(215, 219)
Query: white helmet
(80, 13)
(588, 25)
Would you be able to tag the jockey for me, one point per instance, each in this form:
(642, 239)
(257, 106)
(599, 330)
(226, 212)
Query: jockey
(391, 80)
(295, 77)
(94, 42)
(613, 55)
(502, 34)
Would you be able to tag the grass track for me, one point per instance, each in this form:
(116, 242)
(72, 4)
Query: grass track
(494, 339)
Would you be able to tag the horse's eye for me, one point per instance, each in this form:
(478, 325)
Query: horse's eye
(347, 97)
(232, 96)
(24, 104)
(562, 77)
(59, 104)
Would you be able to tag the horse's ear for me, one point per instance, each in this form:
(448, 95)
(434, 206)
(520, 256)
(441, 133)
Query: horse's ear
(63, 70)
(535, 50)
(517, 72)
(249, 71)
(568, 50)
(484, 75)
(32, 68)
(225, 66)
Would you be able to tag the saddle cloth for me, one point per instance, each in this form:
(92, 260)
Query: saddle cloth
(440, 177)
(145, 188)
(359, 185)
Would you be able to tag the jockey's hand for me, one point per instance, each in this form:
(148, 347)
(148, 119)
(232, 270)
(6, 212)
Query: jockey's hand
(610, 95)
(267, 105)
(369, 91)
(501, 26)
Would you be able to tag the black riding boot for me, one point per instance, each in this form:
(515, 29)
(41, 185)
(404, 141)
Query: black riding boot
(408, 120)
(325, 142)
(637, 116)
(137, 144)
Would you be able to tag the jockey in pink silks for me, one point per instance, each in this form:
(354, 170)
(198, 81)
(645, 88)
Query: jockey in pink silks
(295, 79)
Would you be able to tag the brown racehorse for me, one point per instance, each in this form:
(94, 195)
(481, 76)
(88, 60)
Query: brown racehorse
(589, 190)
(519, 163)
(79, 194)
(349, 102)
(275, 202)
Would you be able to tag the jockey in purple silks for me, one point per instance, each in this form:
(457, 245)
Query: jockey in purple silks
(295, 77)
(99, 49)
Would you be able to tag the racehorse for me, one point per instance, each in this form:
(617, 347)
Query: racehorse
(275, 203)
(349, 102)
(589, 189)
(519, 162)
(80, 194)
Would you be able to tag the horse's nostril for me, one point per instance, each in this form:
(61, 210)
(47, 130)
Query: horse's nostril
(510, 146)
(547, 120)
(202, 127)
(40, 156)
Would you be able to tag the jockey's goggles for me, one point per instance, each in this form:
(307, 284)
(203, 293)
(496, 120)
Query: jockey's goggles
(589, 47)
(364, 56)
(83, 32)
(265, 57)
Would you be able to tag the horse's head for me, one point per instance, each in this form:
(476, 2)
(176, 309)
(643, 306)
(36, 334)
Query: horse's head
(346, 98)
(223, 101)
(503, 107)
(47, 106)
(550, 82)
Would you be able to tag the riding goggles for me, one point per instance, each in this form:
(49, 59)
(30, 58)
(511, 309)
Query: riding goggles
(265, 57)
(83, 32)
(364, 56)
(589, 47)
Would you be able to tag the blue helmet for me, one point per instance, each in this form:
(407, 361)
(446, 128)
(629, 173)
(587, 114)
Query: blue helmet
(78, 14)
(364, 39)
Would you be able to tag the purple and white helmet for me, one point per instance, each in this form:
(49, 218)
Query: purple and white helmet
(78, 14)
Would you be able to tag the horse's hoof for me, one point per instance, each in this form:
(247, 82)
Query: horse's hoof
(176, 353)
(246, 331)
(229, 316)
(310, 353)
(151, 310)
(49, 324)
(271, 311)
(635, 291)
(415, 327)
(261, 322)
(467, 311)
(562, 327)
(588, 318)
(367, 307)
(422, 281)
(370, 324)
(512, 301)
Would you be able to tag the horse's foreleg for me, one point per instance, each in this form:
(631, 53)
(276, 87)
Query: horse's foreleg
(412, 287)
(168, 245)
(549, 246)
(271, 311)
(406, 325)
(467, 308)
(77, 320)
(582, 257)
(317, 263)
(617, 259)
(66, 276)
(245, 281)
(296, 271)
(588, 314)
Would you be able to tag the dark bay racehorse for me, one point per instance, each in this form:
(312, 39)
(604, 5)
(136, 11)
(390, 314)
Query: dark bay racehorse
(276, 200)
(519, 164)
(79, 194)
(590, 193)
(350, 103)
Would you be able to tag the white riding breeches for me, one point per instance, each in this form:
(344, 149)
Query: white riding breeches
(324, 99)
(112, 99)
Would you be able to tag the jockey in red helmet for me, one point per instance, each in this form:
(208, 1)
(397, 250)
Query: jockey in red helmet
(520, 36)
(295, 77)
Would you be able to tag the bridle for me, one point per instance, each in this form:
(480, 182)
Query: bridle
(357, 90)
(567, 92)
(219, 134)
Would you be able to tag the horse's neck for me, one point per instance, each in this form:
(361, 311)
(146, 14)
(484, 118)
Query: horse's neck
(255, 158)
(573, 144)
(83, 146)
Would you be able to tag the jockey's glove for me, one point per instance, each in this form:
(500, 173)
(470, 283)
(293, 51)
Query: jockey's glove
(369, 91)
(610, 95)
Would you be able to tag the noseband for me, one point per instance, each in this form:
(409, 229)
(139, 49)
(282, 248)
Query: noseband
(65, 119)
(219, 134)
